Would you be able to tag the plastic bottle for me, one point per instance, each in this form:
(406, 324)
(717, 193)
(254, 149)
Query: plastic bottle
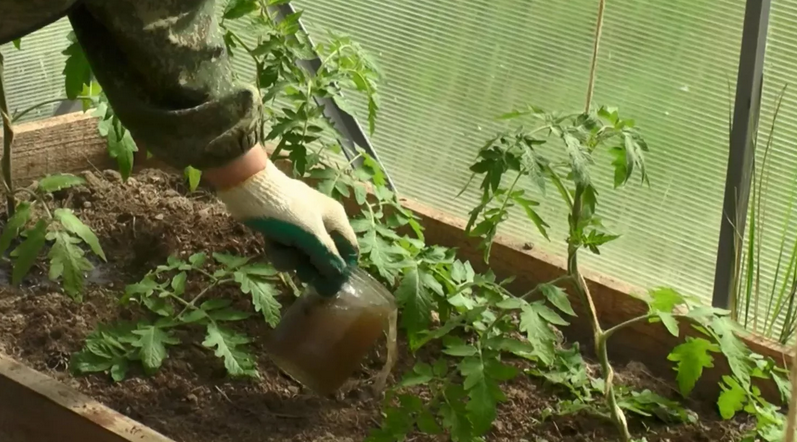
(320, 342)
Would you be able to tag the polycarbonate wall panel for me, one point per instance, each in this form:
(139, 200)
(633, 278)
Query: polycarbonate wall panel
(34, 73)
(452, 66)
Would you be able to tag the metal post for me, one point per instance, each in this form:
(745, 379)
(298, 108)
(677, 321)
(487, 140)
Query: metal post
(741, 156)
(347, 125)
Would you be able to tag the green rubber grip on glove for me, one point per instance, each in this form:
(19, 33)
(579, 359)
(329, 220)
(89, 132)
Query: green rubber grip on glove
(300, 250)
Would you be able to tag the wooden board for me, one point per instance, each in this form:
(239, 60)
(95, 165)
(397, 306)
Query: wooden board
(70, 143)
(36, 408)
(67, 143)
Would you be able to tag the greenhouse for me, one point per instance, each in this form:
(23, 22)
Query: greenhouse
(384, 221)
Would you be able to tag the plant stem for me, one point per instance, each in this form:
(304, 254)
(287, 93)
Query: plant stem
(38, 198)
(618, 417)
(594, 65)
(192, 303)
(19, 115)
(8, 138)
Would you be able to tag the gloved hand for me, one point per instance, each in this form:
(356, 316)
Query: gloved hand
(304, 229)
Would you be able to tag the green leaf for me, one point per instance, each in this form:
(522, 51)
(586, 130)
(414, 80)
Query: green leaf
(52, 183)
(737, 353)
(230, 261)
(193, 176)
(178, 283)
(427, 422)
(537, 331)
(421, 374)
(67, 261)
(26, 253)
(193, 316)
(76, 226)
(229, 314)
(579, 158)
(692, 357)
(14, 224)
(264, 296)
(460, 350)
(215, 304)
(528, 206)
(17, 43)
(77, 70)
(121, 147)
(558, 297)
(732, 398)
(228, 346)
(198, 259)
(663, 302)
(482, 404)
(152, 342)
(416, 300)
(158, 306)
(669, 322)
(239, 8)
(665, 299)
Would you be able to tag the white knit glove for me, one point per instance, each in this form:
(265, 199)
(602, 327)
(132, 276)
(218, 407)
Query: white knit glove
(304, 229)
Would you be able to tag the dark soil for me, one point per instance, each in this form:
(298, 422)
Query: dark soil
(140, 223)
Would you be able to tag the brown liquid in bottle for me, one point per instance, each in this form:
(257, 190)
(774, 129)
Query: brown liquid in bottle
(320, 342)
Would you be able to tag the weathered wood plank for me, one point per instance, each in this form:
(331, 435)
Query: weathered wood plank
(67, 143)
(37, 408)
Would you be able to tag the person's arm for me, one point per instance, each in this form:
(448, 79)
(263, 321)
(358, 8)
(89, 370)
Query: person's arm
(163, 67)
(165, 71)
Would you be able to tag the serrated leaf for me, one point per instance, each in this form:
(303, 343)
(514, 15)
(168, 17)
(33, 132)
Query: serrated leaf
(152, 342)
(732, 398)
(239, 8)
(482, 406)
(158, 305)
(558, 297)
(76, 226)
(228, 345)
(264, 296)
(665, 299)
(737, 353)
(416, 300)
(541, 337)
(14, 224)
(421, 374)
(52, 183)
(67, 260)
(122, 148)
(26, 253)
(692, 357)
(77, 70)
(230, 261)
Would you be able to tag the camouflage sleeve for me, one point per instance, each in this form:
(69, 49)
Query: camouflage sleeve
(165, 70)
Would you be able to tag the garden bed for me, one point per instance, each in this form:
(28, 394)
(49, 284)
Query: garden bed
(141, 223)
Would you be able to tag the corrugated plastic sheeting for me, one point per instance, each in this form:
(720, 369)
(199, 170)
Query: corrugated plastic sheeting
(451, 67)
(33, 74)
